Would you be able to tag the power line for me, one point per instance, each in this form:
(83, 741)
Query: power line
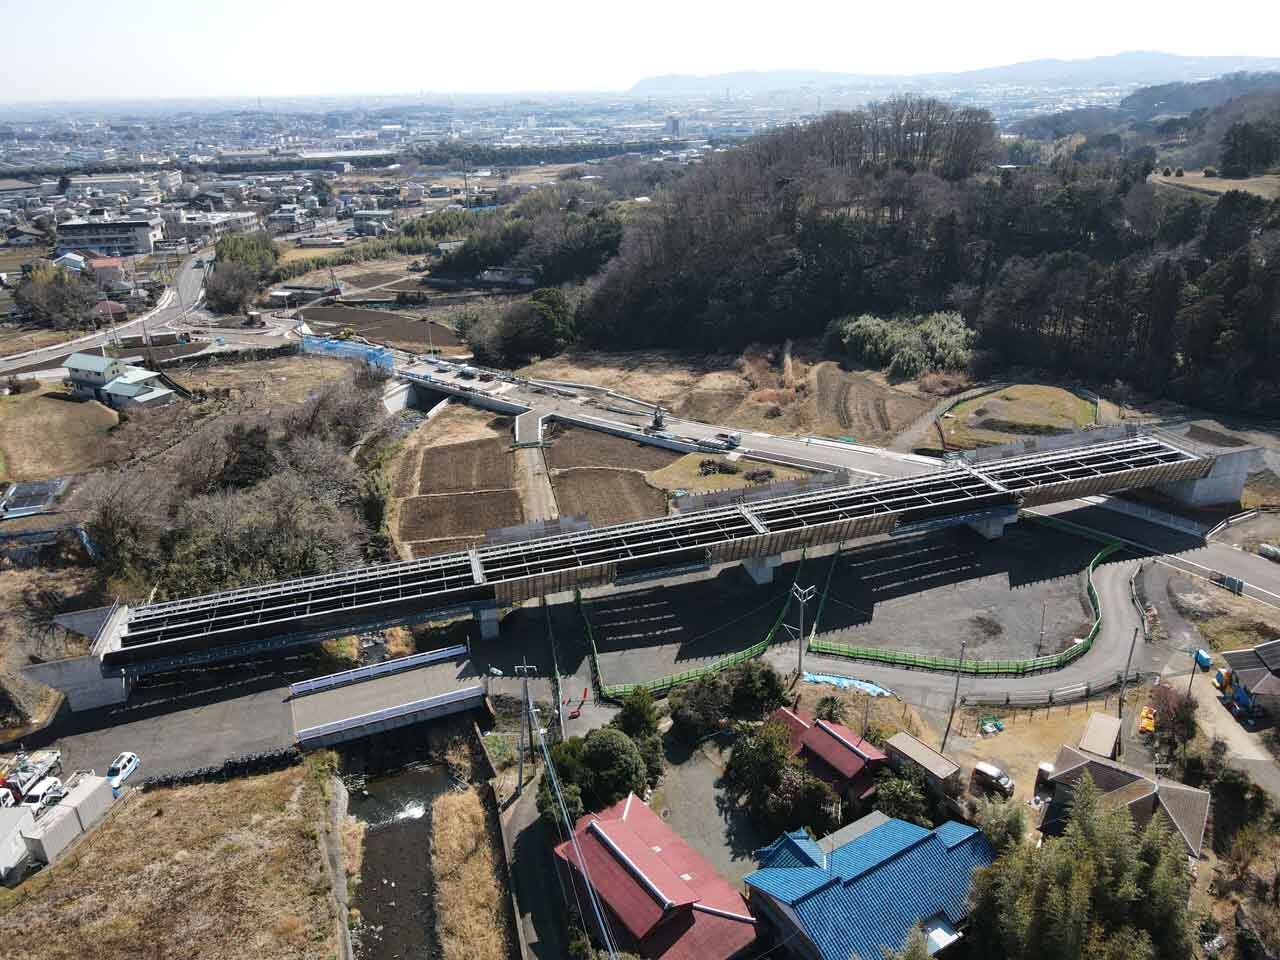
(602, 923)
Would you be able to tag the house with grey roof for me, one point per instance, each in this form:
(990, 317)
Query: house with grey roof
(1185, 809)
(119, 385)
(1255, 676)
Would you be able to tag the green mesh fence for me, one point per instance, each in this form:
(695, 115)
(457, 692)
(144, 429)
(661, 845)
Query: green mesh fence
(616, 691)
(977, 667)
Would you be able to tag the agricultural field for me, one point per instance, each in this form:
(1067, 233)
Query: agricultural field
(782, 392)
(407, 331)
(452, 480)
(606, 496)
(235, 867)
(578, 447)
(47, 433)
(432, 517)
(467, 467)
(1013, 413)
(1266, 186)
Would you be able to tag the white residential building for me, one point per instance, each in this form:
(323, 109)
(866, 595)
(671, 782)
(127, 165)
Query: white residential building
(121, 236)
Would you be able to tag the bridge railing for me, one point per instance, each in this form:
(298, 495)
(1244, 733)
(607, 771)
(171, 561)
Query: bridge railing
(1015, 668)
(344, 677)
(386, 714)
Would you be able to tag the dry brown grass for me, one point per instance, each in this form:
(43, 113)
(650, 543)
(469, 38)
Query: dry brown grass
(1024, 409)
(266, 384)
(18, 641)
(46, 433)
(470, 909)
(399, 641)
(343, 652)
(216, 871)
(1226, 622)
(684, 474)
(1266, 186)
(352, 836)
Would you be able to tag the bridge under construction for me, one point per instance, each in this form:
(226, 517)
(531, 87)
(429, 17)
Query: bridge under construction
(134, 641)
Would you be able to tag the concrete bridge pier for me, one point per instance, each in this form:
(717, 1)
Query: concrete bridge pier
(488, 617)
(991, 528)
(760, 569)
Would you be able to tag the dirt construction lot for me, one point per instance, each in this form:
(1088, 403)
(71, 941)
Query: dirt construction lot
(763, 389)
(47, 433)
(403, 330)
(234, 868)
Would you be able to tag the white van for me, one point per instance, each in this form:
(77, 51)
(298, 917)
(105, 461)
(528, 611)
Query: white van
(35, 796)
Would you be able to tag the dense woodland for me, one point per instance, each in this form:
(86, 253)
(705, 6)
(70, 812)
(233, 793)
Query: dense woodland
(1084, 269)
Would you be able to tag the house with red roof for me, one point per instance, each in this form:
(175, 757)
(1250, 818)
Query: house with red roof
(833, 753)
(661, 898)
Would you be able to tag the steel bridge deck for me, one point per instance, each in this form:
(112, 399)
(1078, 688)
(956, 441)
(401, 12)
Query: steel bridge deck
(504, 573)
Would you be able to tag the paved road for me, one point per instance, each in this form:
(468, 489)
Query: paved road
(861, 461)
(179, 299)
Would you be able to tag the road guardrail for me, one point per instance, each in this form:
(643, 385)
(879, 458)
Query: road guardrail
(345, 677)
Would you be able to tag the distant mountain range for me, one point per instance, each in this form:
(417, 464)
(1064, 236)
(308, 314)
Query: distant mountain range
(1137, 68)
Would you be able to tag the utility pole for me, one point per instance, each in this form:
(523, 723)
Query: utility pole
(804, 595)
(1044, 605)
(523, 670)
(1125, 679)
(955, 697)
(1191, 679)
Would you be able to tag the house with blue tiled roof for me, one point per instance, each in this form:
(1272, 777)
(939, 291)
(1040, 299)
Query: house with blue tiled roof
(862, 894)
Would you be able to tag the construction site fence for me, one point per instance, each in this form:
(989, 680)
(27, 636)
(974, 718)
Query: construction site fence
(664, 684)
(1014, 668)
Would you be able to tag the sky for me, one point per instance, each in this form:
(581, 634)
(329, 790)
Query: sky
(107, 49)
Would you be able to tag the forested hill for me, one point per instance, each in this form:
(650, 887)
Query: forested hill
(1186, 97)
(1089, 271)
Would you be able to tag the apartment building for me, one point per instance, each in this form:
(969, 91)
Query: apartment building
(121, 236)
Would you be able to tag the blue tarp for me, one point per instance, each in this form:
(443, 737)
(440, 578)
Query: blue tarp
(865, 686)
(374, 356)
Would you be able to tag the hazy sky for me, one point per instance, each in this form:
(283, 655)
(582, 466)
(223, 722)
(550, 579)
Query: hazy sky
(96, 49)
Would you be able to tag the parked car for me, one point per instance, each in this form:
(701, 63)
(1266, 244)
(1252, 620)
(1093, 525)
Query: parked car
(121, 768)
(992, 779)
(36, 795)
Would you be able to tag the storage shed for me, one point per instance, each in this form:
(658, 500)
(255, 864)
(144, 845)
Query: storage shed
(1101, 736)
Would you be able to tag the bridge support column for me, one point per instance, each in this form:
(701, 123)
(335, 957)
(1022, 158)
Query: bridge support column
(760, 569)
(992, 528)
(488, 617)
